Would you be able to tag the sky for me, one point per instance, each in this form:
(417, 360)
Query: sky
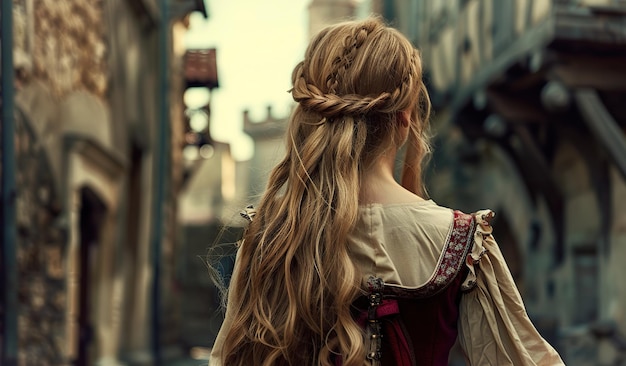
(258, 43)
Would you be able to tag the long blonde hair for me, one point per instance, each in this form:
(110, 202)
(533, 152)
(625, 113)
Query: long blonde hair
(291, 298)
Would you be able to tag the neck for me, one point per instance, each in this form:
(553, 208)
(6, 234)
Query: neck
(378, 184)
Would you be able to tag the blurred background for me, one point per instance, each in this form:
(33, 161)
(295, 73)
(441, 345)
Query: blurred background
(134, 131)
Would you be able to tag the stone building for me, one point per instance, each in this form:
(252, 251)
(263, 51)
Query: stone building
(88, 103)
(530, 121)
(269, 148)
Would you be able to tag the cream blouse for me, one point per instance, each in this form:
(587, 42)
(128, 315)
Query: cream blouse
(403, 243)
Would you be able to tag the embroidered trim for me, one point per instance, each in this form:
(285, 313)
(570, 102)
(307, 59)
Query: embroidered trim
(458, 245)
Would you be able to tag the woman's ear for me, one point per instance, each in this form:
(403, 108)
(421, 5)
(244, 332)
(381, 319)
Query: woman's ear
(404, 117)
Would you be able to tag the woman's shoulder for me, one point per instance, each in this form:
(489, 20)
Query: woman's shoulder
(432, 216)
(424, 211)
(415, 205)
(481, 217)
(424, 219)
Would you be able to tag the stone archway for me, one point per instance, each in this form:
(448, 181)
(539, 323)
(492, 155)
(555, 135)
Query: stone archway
(92, 179)
(93, 188)
(83, 114)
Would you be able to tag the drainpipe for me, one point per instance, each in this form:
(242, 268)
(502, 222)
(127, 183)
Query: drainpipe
(161, 176)
(8, 355)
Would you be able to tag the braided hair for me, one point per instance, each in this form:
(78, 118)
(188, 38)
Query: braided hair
(295, 280)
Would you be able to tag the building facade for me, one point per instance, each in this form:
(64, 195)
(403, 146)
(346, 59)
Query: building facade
(89, 154)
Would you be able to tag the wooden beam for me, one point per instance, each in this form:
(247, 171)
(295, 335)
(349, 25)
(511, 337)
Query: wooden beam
(603, 126)
(515, 107)
(589, 27)
(589, 71)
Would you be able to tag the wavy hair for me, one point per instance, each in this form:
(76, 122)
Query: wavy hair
(295, 279)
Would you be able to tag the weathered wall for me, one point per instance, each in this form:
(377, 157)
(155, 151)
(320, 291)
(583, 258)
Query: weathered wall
(87, 69)
(59, 49)
(41, 268)
(65, 46)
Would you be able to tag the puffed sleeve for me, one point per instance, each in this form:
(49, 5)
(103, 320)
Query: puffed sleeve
(494, 328)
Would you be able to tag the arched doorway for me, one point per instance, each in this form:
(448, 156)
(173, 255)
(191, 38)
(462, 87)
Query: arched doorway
(94, 289)
(91, 219)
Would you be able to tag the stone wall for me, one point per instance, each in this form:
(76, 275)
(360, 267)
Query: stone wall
(62, 43)
(40, 253)
(59, 48)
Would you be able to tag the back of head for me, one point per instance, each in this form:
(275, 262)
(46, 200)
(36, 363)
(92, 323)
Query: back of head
(356, 69)
(365, 72)
(296, 279)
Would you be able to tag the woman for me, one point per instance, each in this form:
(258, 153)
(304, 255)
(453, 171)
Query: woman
(339, 254)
